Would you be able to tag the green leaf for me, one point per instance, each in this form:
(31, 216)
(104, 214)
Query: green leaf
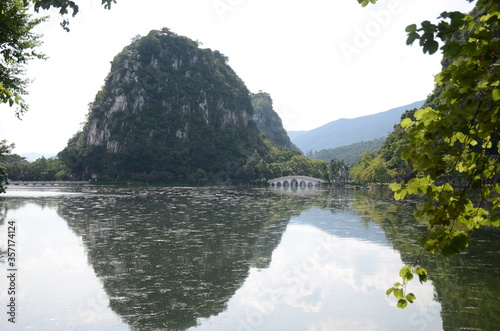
(407, 122)
(410, 297)
(412, 36)
(420, 271)
(431, 47)
(402, 303)
(400, 195)
(404, 271)
(398, 293)
(422, 278)
(395, 186)
(496, 94)
(452, 49)
(364, 3)
(426, 114)
(411, 28)
(389, 291)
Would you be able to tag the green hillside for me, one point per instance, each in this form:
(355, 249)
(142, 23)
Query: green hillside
(269, 122)
(168, 110)
(350, 154)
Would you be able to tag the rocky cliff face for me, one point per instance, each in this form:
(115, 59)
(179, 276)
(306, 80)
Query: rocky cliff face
(168, 109)
(269, 122)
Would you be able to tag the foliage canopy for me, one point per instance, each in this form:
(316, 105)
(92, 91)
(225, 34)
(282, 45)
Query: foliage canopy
(453, 145)
(17, 47)
(350, 154)
(18, 43)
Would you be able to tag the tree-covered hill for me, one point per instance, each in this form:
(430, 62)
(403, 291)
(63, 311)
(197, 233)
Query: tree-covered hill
(350, 154)
(168, 110)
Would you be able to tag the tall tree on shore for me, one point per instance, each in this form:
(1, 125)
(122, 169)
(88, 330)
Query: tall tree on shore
(457, 136)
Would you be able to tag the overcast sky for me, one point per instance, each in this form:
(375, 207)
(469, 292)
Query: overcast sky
(320, 60)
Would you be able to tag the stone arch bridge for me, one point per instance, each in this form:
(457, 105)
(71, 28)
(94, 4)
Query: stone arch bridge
(294, 181)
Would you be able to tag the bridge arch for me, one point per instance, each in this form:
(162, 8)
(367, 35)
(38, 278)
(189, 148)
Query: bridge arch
(295, 181)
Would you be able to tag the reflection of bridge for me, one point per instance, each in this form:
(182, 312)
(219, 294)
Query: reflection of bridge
(292, 181)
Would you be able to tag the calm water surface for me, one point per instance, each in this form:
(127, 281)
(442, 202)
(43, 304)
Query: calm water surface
(116, 258)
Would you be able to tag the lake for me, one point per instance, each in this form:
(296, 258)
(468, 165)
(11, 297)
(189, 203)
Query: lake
(224, 258)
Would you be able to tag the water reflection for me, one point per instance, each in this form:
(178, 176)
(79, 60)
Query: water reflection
(238, 259)
(324, 279)
(56, 288)
(167, 257)
(467, 285)
(302, 190)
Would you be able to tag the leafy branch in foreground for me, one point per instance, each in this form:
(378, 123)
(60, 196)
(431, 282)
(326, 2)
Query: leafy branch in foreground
(399, 289)
(453, 143)
(17, 47)
(65, 6)
(18, 43)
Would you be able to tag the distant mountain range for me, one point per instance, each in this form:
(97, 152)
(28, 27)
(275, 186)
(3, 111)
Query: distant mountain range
(344, 132)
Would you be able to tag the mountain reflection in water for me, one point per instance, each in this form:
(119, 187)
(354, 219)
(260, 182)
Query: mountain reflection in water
(235, 259)
(167, 257)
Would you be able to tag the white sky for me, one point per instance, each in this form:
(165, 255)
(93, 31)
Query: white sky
(320, 60)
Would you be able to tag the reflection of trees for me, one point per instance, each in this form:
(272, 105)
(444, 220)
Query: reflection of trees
(169, 256)
(340, 200)
(467, 285)
(7, 204)
(470, 284)
(10, 204)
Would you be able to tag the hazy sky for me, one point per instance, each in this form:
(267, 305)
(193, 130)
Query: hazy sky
(320, 60)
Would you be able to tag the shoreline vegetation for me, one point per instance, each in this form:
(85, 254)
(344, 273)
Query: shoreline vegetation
(35, 183)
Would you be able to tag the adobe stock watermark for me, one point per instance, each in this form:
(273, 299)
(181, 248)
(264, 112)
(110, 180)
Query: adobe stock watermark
(364, 35)
(223, 7)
